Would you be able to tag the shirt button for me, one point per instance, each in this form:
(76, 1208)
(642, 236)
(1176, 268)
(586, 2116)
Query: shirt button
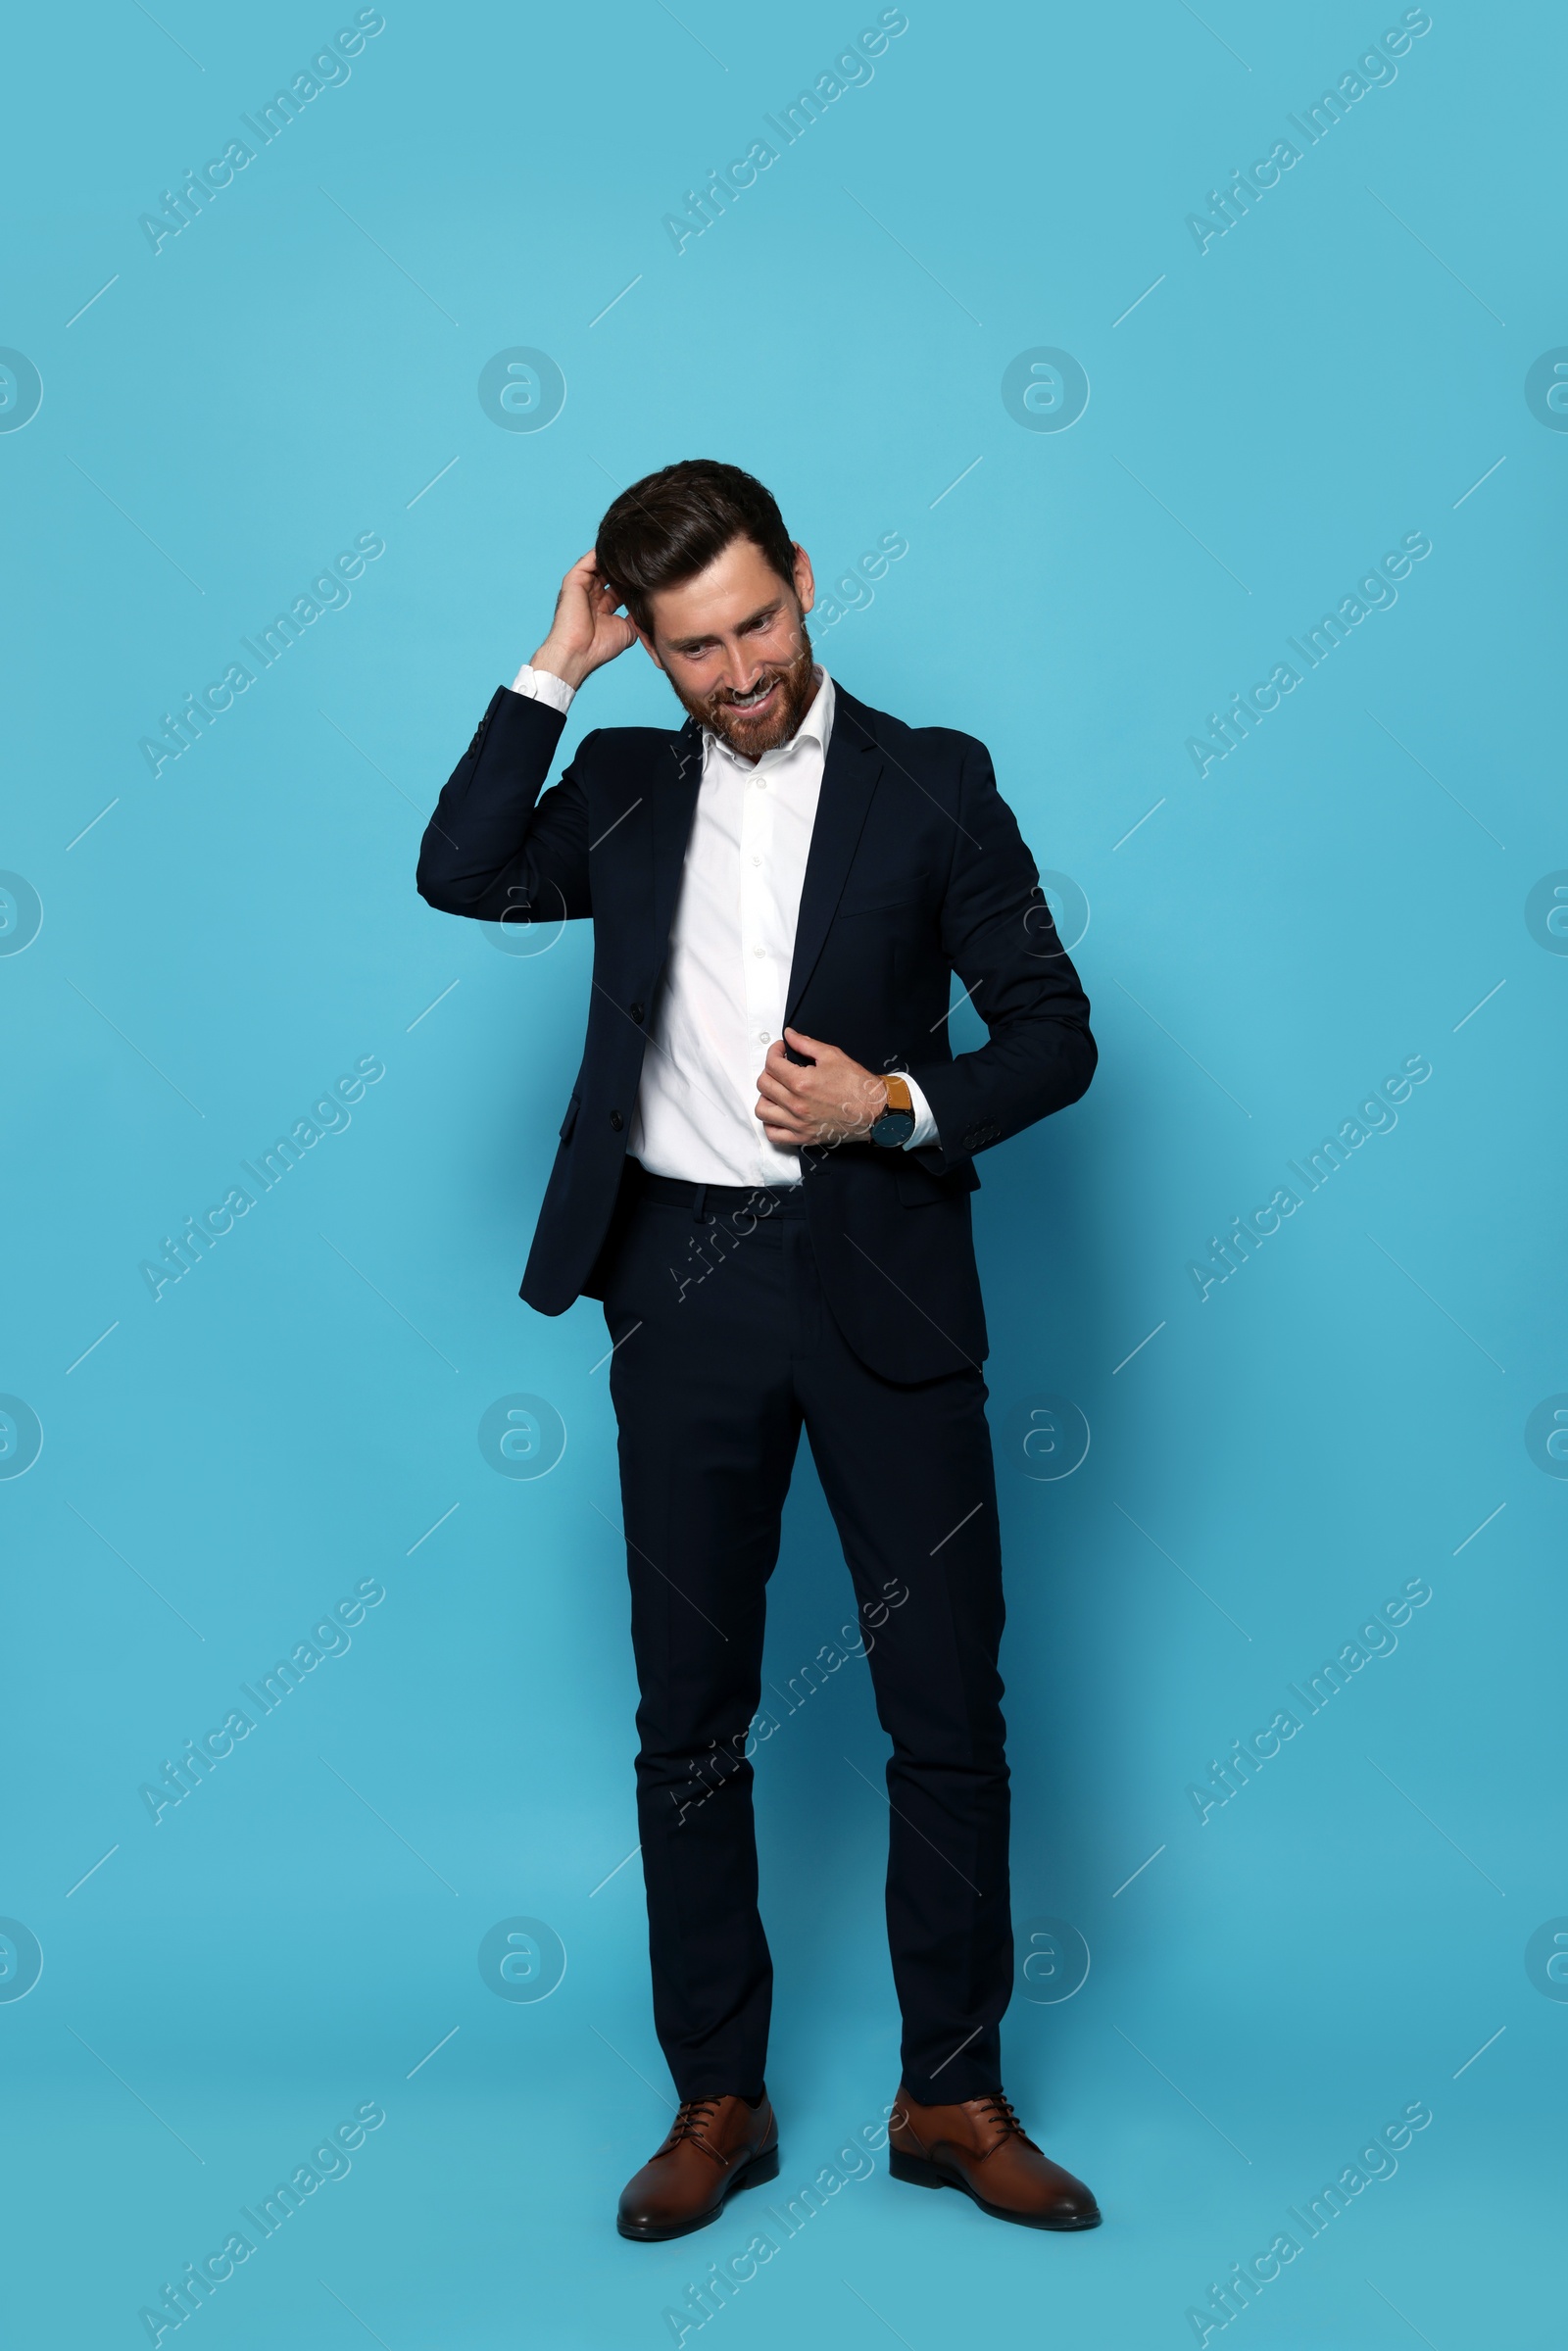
(757, 860)
(762, 1037)
(762, 783)
(759, 951)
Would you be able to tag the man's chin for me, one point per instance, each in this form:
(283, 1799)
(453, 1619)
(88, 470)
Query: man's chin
(750, 741)
(772, 727)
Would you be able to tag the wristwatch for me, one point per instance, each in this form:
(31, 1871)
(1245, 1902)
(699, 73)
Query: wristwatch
(896, 1122)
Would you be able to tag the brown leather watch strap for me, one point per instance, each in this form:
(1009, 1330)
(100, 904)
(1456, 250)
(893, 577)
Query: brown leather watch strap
(898, 1095)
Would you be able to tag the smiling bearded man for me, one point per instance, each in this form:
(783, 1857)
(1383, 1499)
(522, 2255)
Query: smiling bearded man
(765, 1173)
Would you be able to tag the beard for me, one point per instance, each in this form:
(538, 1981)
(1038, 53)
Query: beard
(795, 686)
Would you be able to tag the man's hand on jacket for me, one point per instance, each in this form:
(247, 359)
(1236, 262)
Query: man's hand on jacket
(830, 1099)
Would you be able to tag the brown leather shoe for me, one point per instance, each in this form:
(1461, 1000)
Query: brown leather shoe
(981, 2146)
(715, 2145)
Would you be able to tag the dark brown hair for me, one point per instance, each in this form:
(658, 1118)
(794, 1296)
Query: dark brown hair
(672, 524)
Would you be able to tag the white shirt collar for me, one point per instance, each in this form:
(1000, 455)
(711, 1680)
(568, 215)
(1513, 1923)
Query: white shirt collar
(816, 727)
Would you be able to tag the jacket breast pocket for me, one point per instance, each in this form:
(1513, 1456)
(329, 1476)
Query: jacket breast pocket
(888, 904)
(571, 1120)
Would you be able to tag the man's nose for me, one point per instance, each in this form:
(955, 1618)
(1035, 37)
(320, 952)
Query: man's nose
(742, 669)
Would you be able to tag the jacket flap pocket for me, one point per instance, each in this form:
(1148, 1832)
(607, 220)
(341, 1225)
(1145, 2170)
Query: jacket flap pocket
(918, 1188)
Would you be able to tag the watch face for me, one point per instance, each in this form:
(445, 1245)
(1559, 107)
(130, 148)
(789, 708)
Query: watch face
(894, 1127)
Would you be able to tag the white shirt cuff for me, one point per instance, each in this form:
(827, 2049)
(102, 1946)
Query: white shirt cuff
(925, 1126)
(542, 685)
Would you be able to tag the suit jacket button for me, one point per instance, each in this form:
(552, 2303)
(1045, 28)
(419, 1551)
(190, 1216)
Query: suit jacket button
(615, 1121)
(636, 1011)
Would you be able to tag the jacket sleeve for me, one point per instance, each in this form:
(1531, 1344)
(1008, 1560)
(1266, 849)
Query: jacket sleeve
(495, 849)
(1000, 938)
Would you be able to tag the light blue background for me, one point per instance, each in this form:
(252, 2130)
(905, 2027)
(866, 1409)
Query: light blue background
(293, 370)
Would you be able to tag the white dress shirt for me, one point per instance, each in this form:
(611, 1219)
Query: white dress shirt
(731, 946)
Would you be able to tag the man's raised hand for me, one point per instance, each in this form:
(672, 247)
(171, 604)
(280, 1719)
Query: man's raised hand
(587, 630)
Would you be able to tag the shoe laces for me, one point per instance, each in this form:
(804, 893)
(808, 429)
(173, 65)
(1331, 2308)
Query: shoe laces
(1000, 2110)
(692, 2119)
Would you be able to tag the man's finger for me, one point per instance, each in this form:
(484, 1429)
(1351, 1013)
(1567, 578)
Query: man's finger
(806, 1045)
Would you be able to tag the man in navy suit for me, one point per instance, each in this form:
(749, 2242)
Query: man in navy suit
(765, 1173)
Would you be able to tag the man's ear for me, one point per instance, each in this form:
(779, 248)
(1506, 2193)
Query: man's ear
(804, 579)
(647, 644)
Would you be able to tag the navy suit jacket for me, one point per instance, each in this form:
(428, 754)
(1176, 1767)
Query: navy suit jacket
(916, 871)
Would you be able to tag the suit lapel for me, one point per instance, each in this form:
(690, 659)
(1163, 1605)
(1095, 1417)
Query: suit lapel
(677, 773)
(850, 776)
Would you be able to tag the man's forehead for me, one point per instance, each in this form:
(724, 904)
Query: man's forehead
(738, 586)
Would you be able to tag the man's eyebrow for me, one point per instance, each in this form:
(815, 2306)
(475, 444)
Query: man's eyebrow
(764, 613)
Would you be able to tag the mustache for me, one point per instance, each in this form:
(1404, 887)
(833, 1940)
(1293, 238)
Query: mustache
(728, 694)
(771, 673)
